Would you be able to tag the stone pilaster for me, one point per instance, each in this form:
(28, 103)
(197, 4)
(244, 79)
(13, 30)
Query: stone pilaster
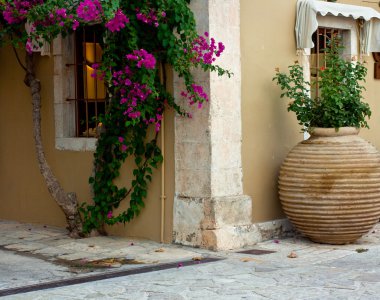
(210, 209)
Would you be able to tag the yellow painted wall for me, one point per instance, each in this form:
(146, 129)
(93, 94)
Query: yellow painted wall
(23, 195)
(269, 131)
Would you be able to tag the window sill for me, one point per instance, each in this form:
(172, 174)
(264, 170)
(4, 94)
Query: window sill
(76, 144)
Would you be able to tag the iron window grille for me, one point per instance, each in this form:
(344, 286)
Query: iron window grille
(90, 91)
(321, 40)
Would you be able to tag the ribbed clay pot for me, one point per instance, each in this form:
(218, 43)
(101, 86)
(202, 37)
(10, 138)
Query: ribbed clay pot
(329, 186)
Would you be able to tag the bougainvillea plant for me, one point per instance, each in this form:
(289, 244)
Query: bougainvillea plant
(140, 38)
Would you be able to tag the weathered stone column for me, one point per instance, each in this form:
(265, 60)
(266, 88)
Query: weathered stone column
(210, 209)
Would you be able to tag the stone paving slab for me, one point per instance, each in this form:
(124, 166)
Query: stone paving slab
(316, 272)
(18, 270)
(40, 248)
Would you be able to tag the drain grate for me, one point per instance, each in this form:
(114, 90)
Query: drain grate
(109, 275)
(257, 252)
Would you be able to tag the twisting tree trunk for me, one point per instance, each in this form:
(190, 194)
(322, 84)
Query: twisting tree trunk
(67, 201)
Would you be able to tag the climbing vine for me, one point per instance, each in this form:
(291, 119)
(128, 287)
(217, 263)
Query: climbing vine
(140, 39)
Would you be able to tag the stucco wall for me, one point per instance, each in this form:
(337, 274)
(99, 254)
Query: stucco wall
(23, 194)
(269, 131)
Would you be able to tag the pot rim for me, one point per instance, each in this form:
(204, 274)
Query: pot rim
(341, 131)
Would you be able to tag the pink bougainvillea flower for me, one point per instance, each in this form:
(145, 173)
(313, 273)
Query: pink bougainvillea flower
(29, 46)
(198, 89)
(118, 22)
(89, 10)
(134, 115)
(17, 10)
(75, 25)
(61, 12)
(203, 51)
(158, 126)
(109, 215)
(149, 18)
(143, 58)
(221, 48)
(94, 73)
(198, 95)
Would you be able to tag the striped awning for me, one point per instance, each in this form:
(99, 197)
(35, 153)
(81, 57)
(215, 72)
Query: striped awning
(307, 22)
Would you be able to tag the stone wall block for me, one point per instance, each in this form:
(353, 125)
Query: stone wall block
(75, 144)
(201, 9)
(57, 46)
(58, 89)
(64, 119)
(228, 11)
(225, 129)
(193, 183)
(192, 130)
(210, 209)
(226, 211)
(210, 215)
(68, 49)
(58, 65)
(227, 155)
(230, 237)
(59, 130)
(230, 58)
(232, 135)
(198, 156)
(233, 211)
(226, 95)
(189, 214)
(226, 182)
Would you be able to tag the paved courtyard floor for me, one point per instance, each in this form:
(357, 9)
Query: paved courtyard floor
(40, 262)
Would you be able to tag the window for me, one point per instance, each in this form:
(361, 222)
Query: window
(321, 39)
(312, 58)
(79, 99)
(90, 92)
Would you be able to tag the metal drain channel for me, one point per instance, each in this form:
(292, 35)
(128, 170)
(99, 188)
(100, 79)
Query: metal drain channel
(109, 275)
(257, 252)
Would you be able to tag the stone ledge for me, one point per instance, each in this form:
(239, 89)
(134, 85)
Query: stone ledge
(76, 144)
(279, 228)
(230, 237)
(222, 223)
(231, 210)
(235, 237)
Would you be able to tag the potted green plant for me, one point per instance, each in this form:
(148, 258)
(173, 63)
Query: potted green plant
(329, 184)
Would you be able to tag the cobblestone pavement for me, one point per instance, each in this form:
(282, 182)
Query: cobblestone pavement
(297, 269)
